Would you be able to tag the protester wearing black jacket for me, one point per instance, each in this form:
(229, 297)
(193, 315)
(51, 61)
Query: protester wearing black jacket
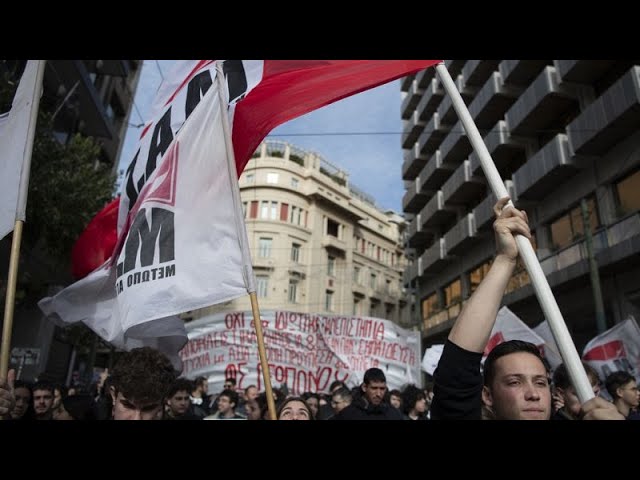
(370, 404)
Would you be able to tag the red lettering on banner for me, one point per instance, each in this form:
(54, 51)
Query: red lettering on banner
(234, 320)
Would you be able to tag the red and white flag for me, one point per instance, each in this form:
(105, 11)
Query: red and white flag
(508, 326)
(616, 349)
(179, 239)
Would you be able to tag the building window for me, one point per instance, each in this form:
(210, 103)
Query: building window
(333, 228)
(357, 306)
(262, 285)
(569, 228)
(387, 286)
(628, 194)
(328, 301)
(430, 305)
(295, 252)
(293, 290)
(254, 209)
(274, 211)
(295, 215)
(294, 182)
(250, 178)
(284, 212)
(373, 282)
(264, 210)
(476, 276)
(331, 266)
(453, 293)
(264, 247)
(272, 177)
(356, 275)
(244, 209)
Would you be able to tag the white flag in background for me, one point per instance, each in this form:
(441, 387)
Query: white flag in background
(616, 349)
(14, 133)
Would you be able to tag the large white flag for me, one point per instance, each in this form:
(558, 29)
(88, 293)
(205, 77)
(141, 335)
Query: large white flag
(15, 146)
(508, 326)
(167, 263)
(616, 349)
(551, 350)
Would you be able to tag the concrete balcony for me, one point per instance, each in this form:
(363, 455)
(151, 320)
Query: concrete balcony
(462, 235)
(413, 162)
(542, 106)
(492, 101)
(446, 111)
(432, 96)
(358, 289)
(455, 147)
(434, 259)
(613, 116)
(435, 172)
(476, 72)
(463, 186)
(414, 198)
(409, 103)
(545, 170)
(415, 235)
(454, 66)
(412, 130)
(434, 133)
(405, 82)
(435, 212)
(582, 71)
(331, 242)
(521, 72)
(505, 150)
(483, 213)
(425, 77)
(412, 272)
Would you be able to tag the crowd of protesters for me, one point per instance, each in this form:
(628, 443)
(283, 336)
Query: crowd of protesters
(513, 383)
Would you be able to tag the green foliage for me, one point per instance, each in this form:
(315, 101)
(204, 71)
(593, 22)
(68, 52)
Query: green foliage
(296, 159)
(67, 187)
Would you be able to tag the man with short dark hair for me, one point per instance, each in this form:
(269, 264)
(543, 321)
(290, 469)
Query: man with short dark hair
(227, 402)
(370, 405)
(623, 389)
(139, 384)
(43, 400)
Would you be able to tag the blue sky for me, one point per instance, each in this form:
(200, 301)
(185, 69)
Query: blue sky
(372, 157)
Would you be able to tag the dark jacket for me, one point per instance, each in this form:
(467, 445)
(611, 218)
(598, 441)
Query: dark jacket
(457, 389)
(361, 410)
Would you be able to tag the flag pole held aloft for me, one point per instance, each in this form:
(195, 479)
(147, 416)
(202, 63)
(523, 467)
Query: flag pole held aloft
(538, 280)
(17, 146)
(242, 238)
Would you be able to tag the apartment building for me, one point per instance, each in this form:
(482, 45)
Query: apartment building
(564, 136)
(318, 243)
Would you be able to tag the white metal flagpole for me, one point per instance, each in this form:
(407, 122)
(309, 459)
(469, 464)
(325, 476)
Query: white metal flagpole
(538, 279)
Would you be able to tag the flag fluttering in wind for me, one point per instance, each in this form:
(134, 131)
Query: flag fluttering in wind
(179, 240)
(615, 349)
(15, 146)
